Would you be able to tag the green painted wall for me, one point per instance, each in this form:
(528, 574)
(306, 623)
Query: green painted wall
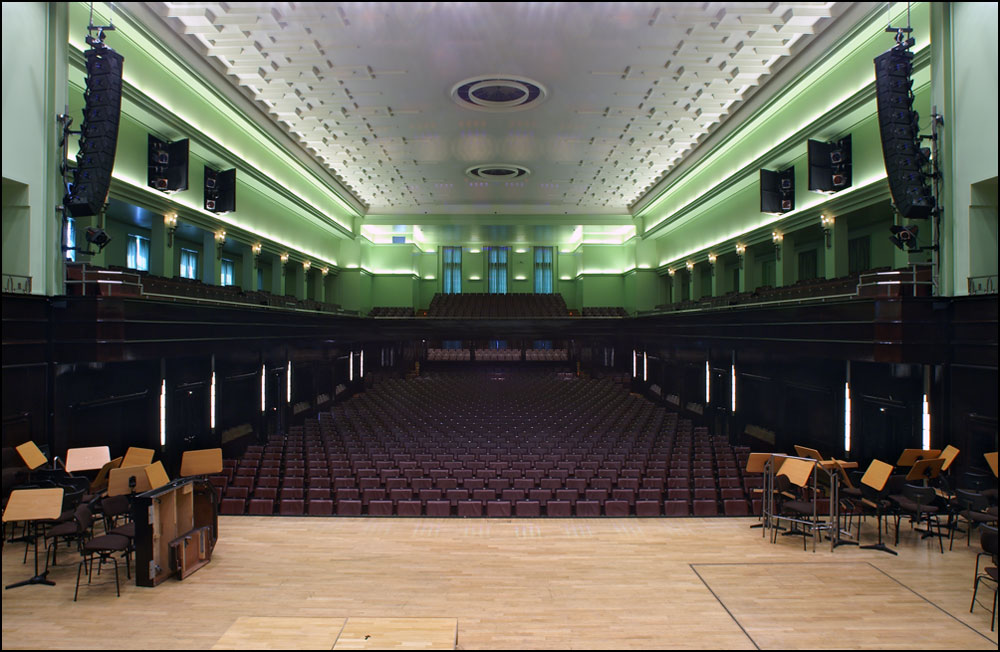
(34, 92)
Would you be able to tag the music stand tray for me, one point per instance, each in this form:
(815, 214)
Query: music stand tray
(925, 469)
(991, 459)
(201, 462)
(120, 481)
(32, 456)
(948, 455)
(911, 456)
(34, 505)
(138, 457)
(87, 459)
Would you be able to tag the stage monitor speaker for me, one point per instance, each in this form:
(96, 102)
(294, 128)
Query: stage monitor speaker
(95, 160)
(777, 191)
(220, 190)
(830, 165)
(168, 165)
(906, 162)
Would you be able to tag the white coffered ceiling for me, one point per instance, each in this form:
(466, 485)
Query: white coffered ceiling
(631, 89)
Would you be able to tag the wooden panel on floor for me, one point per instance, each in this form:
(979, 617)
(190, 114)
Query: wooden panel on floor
(843, 605)
(267, 633)
(398, 634)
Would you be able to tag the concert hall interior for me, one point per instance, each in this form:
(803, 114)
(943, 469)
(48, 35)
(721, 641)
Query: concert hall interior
(500, 325)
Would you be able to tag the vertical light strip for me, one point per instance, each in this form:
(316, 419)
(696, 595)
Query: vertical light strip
(708, 384)
(847, 417)
(163, 412)
(645, 367)
(927, 424)
(732, 371)
(350, 367)
(288, 383)
(263, 388)
(361, 362)
(635, 357)
(211, 399)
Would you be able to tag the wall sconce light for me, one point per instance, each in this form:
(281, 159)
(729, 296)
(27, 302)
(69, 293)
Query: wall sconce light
(777, 239)
(827, 223)
(220, 240)
(284, 260)
(671, 271)
(306, 265)
(325, 270)
(690, 266)
(711, 259)
(170, 221)
(741, 250)
(256, 249)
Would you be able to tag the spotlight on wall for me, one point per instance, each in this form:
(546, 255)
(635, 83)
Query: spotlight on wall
(97, 236)
(904, 237)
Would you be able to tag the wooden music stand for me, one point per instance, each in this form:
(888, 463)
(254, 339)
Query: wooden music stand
(925, 469)
(156, 475)
(122, 482)
(32, 456)
(201, 462)
(137, 457)
(100, 483)
(991, 459)
(34, 505)
(948, 455)
(875, 479)
(797, 471)
(811, 453)
(911, 456)
(87, 459)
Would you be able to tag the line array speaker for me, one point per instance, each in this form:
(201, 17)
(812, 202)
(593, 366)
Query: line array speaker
(905, 161)
(98, 134)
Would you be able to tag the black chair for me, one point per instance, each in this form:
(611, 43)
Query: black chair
(973, 508)
(72, 530)
(988, 540)
(103, 548)
(918, 502)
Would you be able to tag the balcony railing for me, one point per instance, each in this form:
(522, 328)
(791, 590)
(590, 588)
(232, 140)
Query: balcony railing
(983, 284)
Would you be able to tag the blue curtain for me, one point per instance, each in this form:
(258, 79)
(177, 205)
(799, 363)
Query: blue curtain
(497, 269)
(543, 270)
(452, 270)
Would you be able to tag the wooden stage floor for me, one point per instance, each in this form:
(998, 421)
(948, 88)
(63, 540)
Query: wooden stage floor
(349, 583)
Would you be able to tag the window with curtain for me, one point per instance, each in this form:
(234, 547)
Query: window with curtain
(808, 266)
(452, 270)
(543, 270)
(542, 344)
(497, 257)
(189, 263)
(859, 254)
(228, 270)
(71, 238)
(138, 253)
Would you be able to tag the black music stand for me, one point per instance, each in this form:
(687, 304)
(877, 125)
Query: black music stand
(873, 487)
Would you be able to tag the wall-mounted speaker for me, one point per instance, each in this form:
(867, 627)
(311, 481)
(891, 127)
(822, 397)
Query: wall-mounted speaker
(906, 162)
(777, 191)
(830, 165)
(220, 190)
(95, 160)
(168, 165)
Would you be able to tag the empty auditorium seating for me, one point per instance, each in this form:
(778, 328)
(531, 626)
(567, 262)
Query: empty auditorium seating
(504, 444)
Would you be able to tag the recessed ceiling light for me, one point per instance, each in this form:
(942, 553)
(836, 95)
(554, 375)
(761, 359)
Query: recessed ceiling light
(498, 93)
(497, 171)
